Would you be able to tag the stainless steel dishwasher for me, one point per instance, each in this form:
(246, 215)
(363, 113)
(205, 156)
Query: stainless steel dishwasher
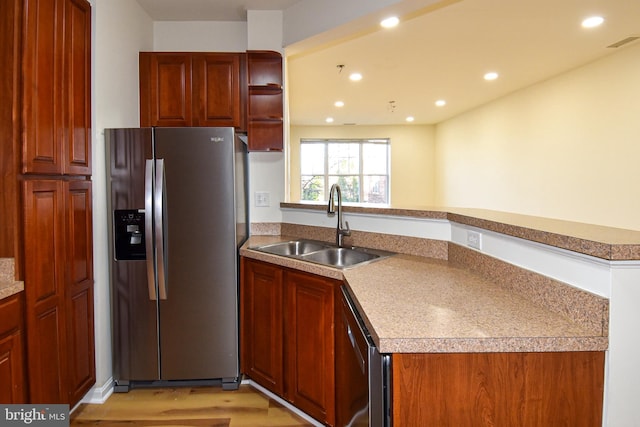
(363, 375)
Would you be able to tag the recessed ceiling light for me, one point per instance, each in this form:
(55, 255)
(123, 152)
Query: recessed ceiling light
(410, 119)
(329, 120)
(339, 104)
(355, 77)
(441, 103)
(491, 76)
(390, 22)
(593, 21)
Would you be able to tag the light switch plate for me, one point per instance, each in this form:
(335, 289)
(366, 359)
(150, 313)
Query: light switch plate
(262, 198)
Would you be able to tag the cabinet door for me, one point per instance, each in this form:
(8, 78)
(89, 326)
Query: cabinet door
(79, 291)
(310, 344)
(216, 89)
(44, 289)
(498, 389)
(12, 363)
(165, 89)
(42, 67)
(56, 87)
(77, 88)
(59, 289)
(262, 320)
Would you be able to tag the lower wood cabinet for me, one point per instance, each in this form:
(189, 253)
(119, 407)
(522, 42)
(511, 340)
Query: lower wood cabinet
(58, 277)
(13, 387)
(262, 319)
(288, 340)
(498, 389)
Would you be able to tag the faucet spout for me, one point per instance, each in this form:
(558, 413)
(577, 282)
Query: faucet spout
(335, 206)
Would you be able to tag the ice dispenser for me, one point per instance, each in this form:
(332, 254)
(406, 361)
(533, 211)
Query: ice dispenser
(129, 234)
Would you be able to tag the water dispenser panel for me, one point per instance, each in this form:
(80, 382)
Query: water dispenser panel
(129, 234)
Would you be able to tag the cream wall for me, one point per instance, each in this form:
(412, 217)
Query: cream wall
(565, 148)
(412, 158)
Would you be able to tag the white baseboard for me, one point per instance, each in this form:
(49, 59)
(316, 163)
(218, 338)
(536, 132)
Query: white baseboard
(99, 394)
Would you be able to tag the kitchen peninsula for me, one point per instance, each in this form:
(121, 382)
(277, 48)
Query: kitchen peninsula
(442, 296)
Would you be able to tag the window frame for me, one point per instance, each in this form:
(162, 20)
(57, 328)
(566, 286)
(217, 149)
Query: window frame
(361, 175)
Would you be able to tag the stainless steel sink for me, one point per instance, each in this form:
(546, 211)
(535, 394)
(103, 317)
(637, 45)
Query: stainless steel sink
(324, 253)
(293, 247)
(340, 257)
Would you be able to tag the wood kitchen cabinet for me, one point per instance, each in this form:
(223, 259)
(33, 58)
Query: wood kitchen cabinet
(13, 384)
(288, 336)
(242, 90)
(310, 344)
(262, 346)
(265, 101)
(498, 389)
(46, 192)
(191, 89)
(59, 289)
(56, 87)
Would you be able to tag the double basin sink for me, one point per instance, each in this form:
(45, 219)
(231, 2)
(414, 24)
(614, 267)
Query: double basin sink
(324, 253)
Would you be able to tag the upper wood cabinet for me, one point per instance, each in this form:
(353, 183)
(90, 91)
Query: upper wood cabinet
(217, 84)
(191, 89)
(265, 101)
(165, 89)
(56, 87)
(243, 90)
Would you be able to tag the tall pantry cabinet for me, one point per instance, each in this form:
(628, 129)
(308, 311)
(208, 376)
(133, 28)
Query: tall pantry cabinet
(53, 171)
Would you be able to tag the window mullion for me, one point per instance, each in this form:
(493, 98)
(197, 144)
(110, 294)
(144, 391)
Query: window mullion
(361, 172)
(326, 171)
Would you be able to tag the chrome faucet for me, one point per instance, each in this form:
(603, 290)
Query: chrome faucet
(331, 209)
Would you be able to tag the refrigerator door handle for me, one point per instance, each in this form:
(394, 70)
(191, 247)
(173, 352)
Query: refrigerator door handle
(148, 229)
(160, 212)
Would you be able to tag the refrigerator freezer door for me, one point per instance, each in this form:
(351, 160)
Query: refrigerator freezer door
(134, 314)
(199, 318)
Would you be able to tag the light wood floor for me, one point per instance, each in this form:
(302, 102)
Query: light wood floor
(187, 406)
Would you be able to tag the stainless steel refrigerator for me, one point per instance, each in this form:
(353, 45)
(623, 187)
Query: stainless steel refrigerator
(178, 208)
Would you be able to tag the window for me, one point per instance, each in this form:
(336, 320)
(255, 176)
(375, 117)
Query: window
(359, 166)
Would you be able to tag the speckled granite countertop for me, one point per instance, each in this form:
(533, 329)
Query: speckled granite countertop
(418, 305)
(415, 304)
(8, 285)
(608, 243)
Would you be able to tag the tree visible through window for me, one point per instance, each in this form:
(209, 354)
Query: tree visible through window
(359, 166)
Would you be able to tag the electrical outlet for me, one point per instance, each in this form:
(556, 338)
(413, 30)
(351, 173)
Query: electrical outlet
(262, 198)
(474, 239)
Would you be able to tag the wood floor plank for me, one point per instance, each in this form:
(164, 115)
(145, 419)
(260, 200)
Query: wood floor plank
(186, 407)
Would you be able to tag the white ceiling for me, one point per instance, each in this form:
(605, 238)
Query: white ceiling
(440, 53)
